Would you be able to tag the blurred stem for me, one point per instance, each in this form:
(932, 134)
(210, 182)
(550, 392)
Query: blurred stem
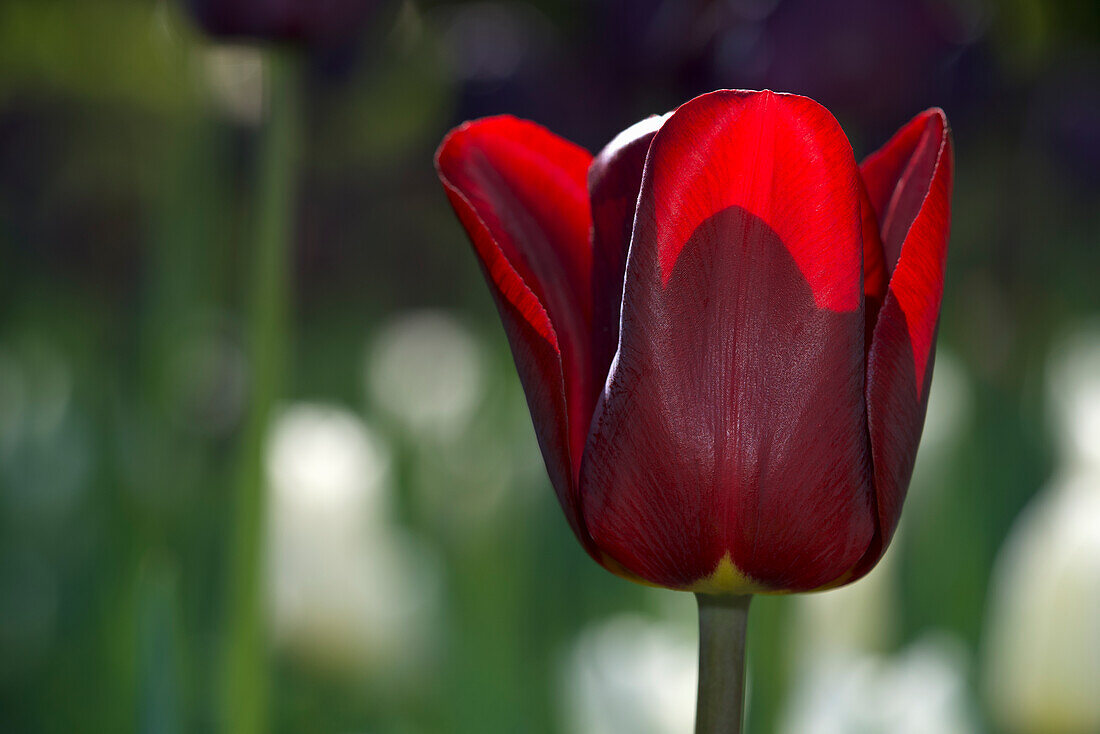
(245, 686)
(722, 624)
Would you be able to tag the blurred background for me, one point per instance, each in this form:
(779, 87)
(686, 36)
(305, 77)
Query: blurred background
(418, 575)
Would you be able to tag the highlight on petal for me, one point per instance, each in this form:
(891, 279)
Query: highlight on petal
(521, 194)
(909, 181)
(754, 150)
(730, 445)
(614, 180)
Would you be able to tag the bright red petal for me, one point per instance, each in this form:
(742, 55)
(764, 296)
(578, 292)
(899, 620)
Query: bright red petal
(521, 194)
(780, 148)
(614, 180)
(733, 423)
(915, 208)
(897, 176)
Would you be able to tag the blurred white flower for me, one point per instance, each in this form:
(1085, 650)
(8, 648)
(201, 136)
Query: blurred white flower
(630, 675)
(844, 682)
(949, 402)
(347, 587)
(921, 690)
(950, 405)
(1042, 651)
(45, 446)
(325, 461)
(35, 393)
(425, 370)
(858, 618)
(1073, 385)
(1042, 648)
(234, 76)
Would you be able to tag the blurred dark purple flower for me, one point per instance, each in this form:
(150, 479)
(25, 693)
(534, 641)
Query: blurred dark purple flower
(313, 23)
(870, 59)
(1065, 116)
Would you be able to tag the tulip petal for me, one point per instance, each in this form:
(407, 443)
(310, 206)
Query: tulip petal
(875, 279)
(909, 181)
(521, 194)
(729, 451)
(897, 177)
(614, 180)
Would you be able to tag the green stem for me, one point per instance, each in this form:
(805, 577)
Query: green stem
(721, 702)
(245, 685)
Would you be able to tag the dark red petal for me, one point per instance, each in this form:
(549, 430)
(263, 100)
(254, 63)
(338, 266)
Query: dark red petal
(899, 366)
(733, 424)
(614, 180)
(521, 194)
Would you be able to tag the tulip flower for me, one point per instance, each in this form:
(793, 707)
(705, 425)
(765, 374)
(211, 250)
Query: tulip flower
(725, 331)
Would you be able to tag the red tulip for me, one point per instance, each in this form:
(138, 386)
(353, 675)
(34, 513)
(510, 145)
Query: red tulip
(724, 327)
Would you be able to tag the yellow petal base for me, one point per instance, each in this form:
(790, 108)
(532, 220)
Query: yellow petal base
(727, 579)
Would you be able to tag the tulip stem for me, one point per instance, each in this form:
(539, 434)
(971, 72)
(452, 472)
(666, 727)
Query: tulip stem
(722, 624)
(244, 704)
